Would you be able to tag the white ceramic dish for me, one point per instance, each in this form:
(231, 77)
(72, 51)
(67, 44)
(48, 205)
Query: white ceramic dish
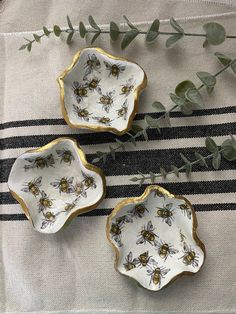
(55, 183)
(100, 91)
(154, 237)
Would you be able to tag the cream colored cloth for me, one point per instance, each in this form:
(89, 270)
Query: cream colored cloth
(72, 271)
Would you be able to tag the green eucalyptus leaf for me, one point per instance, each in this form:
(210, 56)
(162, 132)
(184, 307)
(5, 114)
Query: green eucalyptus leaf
(69, 23)
(112, 152)
(57, 30)
(216, 160)
(145, 135)
(95, 36)
(182, 87)
(176, 26)
(95, 160)
(207, 78)
(215, 33)
(158, 106)
(153, 31)
(46, 31)
(153, 123)
(93, 23)
(229, 146)
(193, 95)
(121, 144)
(69, 38)
(223, 58)
(141, 181)
(202, 160)
(132, 26)
(82, 30)
(233, 141)
(22, 47)
(175, 170)
(37, 38)
(211, 145)
(187, 109)
(233, 66)
(177, 100)
(136, 128)
(163, 172)
(128, 38)
(132, 140)
(188, 169)
(29, 46)
(152, 177)
(134, 179)
(205, 43)
(185, 159)
(173, 39)
(167, 119)
(209, 89)
(114, 31)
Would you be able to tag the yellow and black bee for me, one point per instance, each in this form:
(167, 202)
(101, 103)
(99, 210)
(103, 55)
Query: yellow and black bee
(80, 91)
(190, 257)
(166, 249)
(166, 213)
(129, 262)
(123, 111)
(186, 210)
(124, 219)
(82, 114)
(92, 64)
(103, 120)
(157, 274)
(106, 100)
(44, 202)
(93, 84)
(147, 235)
(114, 69)
(144, 260)
(88, 181)
(49, 219)
(138, 211)
(66, 155)
(127, 88)
(40, 162)
(64, 185)
(79, 189)
(69, 206)
(33, 186)
(116, 232)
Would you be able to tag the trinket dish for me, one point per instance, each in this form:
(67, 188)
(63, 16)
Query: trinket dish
(100, 91)
(154, 237)
(55, 183)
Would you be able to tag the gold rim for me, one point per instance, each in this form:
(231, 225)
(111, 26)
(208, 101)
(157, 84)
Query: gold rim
(136, 92)
(85, 164)
(134, 200)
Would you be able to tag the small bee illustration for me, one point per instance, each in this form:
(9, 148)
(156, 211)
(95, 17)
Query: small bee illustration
(123, 219)
(33, 186)
(92, 64)
(107, 100)
(144, 260)
(157, 274)
(79, 189)
(147, 235)
(166, 213)
(182, 236)
(44, 202)
(186, 210)
(103, 120)
(165, 250)
(115, 231)
(69, 206)
(49, 219)
(128, 87)
(80, 91)
(66, 155)
(93, 84)
(89, 182)
(82, 114)
(114, 69)
(64, 185)
(190, 257)
(40, 162)
(122, 112)
(158, 193)
(129, 262)
(138, 211)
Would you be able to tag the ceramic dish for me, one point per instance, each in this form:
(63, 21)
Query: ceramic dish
(100, 91)
(154, 237)
(55, 183)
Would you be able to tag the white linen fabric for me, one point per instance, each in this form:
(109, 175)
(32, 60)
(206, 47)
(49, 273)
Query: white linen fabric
(72, 271)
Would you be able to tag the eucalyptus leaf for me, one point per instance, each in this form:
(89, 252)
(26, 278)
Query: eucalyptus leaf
(182, 87)
(185, 159)
(211, 145)
(216, 160)
(153, 31)
(22, 47)
(202, 160)
(93, 23)
(112, 152)
(158, 106)
(209, 89)
(131, 25)
(233, 66)
(193, 95)
(215, 33)
(207, 78)
(167, 119)
(29, 46)
(188, 169)
(152, 177)
(187, 109)
(173, 39)
(37, 38)
(134, 179)
(82, 30)
(136, 128)
(128, 38)
(163, 172)
(57, 30)
(69, 38)
(46, 31)
(177, 100)
(95, 160)
(223, 58)
(229, 152)
(121, 144)
(176, 26)
(153, 123)
(175, 170)
(95, 37)
(114, 31)
(132, 140)
(145, 135)
(69, 23)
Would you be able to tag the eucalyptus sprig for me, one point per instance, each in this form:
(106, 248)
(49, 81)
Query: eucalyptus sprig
(186, 98)
(213, 33)
(227, 151)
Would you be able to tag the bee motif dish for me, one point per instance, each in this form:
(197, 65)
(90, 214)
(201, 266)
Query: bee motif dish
(100, 91)
(154, 238)
(55, 183)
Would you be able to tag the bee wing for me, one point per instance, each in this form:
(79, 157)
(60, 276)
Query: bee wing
(130, 257)
(70, 180)
(38, 181)
(165, 271)
(108, 65)
(60, 152)
(189, 213)
(25, 189)
(128, 219)
(76, 84)
(43, 194)
(135, 261)
(168, 221)
(30, 159)
(149, 225)
(173, 251)
(122, 68)
(78, 99)
(185, 246)
(55, 184)
(44, 224)
(149, 272)
(75, 108)
(99, 90)
(140, 240)
(152, 262)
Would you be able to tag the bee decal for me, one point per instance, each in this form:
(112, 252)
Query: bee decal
(122, 112)
(129, 262)
(89, 182)
(166, 213)
(158, 193)
(124, 219)
(44, 202)
(33, 186)
(138, 211)
(103, 120)
(82, 114)
(165, 250)
(79, 189)
(106, 100)
(190, 257)
(186, 210)
(49, 219)
(69, 206)
(40, 162)
(66, 155)
(92, 64)
(144, 260)
(80, 91)
(64, 185)
(114, 69)
(147, 235)
(157, 274)
(127, 88)
(93, 84)
(115, 231)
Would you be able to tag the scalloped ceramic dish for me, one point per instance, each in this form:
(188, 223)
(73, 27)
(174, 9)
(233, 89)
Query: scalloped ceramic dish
(55, 183)
(154, 237)
(100, 91)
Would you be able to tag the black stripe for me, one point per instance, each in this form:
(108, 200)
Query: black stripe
(179, 188)
(129, 163)
(101, 138)
(140, 116)
(105, 212)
